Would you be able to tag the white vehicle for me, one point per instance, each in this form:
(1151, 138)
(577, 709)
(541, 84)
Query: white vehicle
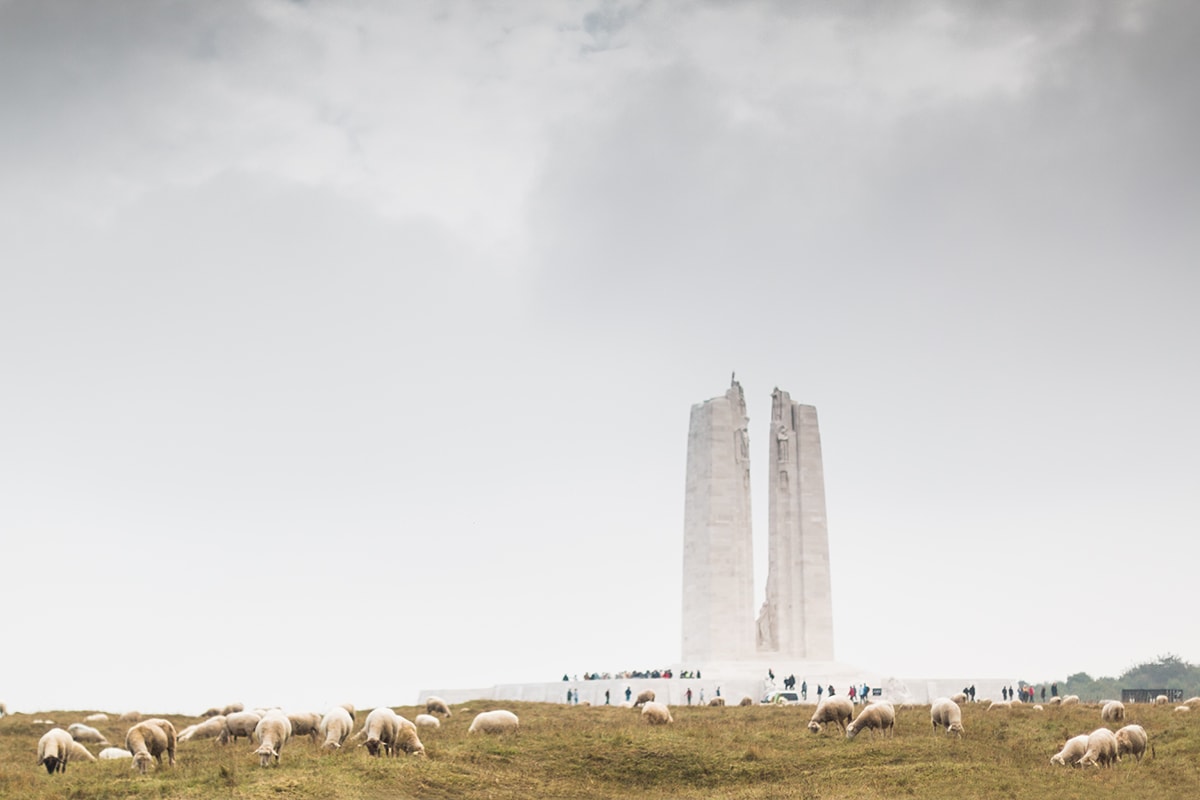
(781, 698)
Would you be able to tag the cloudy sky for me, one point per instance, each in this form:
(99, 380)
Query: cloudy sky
(347, 349)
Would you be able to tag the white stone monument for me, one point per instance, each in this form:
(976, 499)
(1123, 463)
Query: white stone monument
(796, 620)
(718, 551)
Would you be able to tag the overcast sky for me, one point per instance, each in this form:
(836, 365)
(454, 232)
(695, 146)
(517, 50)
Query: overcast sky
(347, 349)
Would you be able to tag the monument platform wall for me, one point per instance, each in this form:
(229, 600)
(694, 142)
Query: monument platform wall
(734, 684)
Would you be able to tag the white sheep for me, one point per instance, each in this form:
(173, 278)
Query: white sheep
(644, 696)
(1113, 711)
(97, 717)
(837, 710)
(271, 733)
(1191, 701)
(428, 721)
(1161, 700)
(656, 713)
(81, 753)
(879, 718)
(1071, 752)
(232, 708)
(1101, 749)
(305, 723)
(150, 739)
(54, 750)
(381, 729)
(999, 704)
(1071, 700)
(85, 733)
(498, 721)
(436, 705)
(407, 740)
(240, 723)
(1183, 708)
(1055, 701)
(959, 698)
(1132, 740)
(717, 701)
(746, 701)
(335, 727)
(130, 716)
(945, 713)
(211, 728)
(114, 753)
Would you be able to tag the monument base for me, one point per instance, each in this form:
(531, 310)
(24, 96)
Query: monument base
(733, 681)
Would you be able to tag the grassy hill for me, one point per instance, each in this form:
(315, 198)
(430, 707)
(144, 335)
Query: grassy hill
(595, 752)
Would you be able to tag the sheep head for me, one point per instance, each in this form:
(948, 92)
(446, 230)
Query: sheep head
(141, 761)
(814, 727)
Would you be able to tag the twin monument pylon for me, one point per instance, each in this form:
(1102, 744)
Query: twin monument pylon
(795, 622)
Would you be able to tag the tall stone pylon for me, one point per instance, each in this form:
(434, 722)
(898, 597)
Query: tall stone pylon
(796, 621)
(718, 549)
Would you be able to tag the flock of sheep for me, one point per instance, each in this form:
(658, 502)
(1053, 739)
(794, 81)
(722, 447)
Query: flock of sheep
(1100, 748)
(386, 732)
(146, 741)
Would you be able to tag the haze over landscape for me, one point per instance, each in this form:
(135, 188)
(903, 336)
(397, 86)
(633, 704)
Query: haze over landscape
(368, 333)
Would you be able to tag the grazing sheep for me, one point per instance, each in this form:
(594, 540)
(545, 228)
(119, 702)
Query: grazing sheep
(1001, 704)
(1055, 701)
(381, 729)
(305, 723)
(959, 699)
(945, 713)
(1161, 700)
(335, 727)
(1183, 708)
(130, 716)
(81, 753)
(97, 717)
(349, 709)
(211, 712)
(498, 721)
(746, 701)
(1113, 711)
(1071, 700)
(1038, 707)
(114, 753)
(879, 718)
(150, 739)
(428, 721)
(85, 733)
(240, 723)
(1071, 752)
(1101, 749)
(232, 708)
(1191, 701)
(656, 713)
(717, 701)
(645, 696)
(832, 709)
(54, 750)
(271, 733)
(436, 705)
(211, 728)
(407, 739)
(1132, 739)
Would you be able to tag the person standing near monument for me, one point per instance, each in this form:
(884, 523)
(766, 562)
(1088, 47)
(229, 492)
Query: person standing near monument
(820, 689)
(688, 695)
(628, 694)
(853, 694)
(804, 690)
(606, 697)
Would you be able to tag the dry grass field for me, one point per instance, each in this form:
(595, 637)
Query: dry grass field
(593, 752)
